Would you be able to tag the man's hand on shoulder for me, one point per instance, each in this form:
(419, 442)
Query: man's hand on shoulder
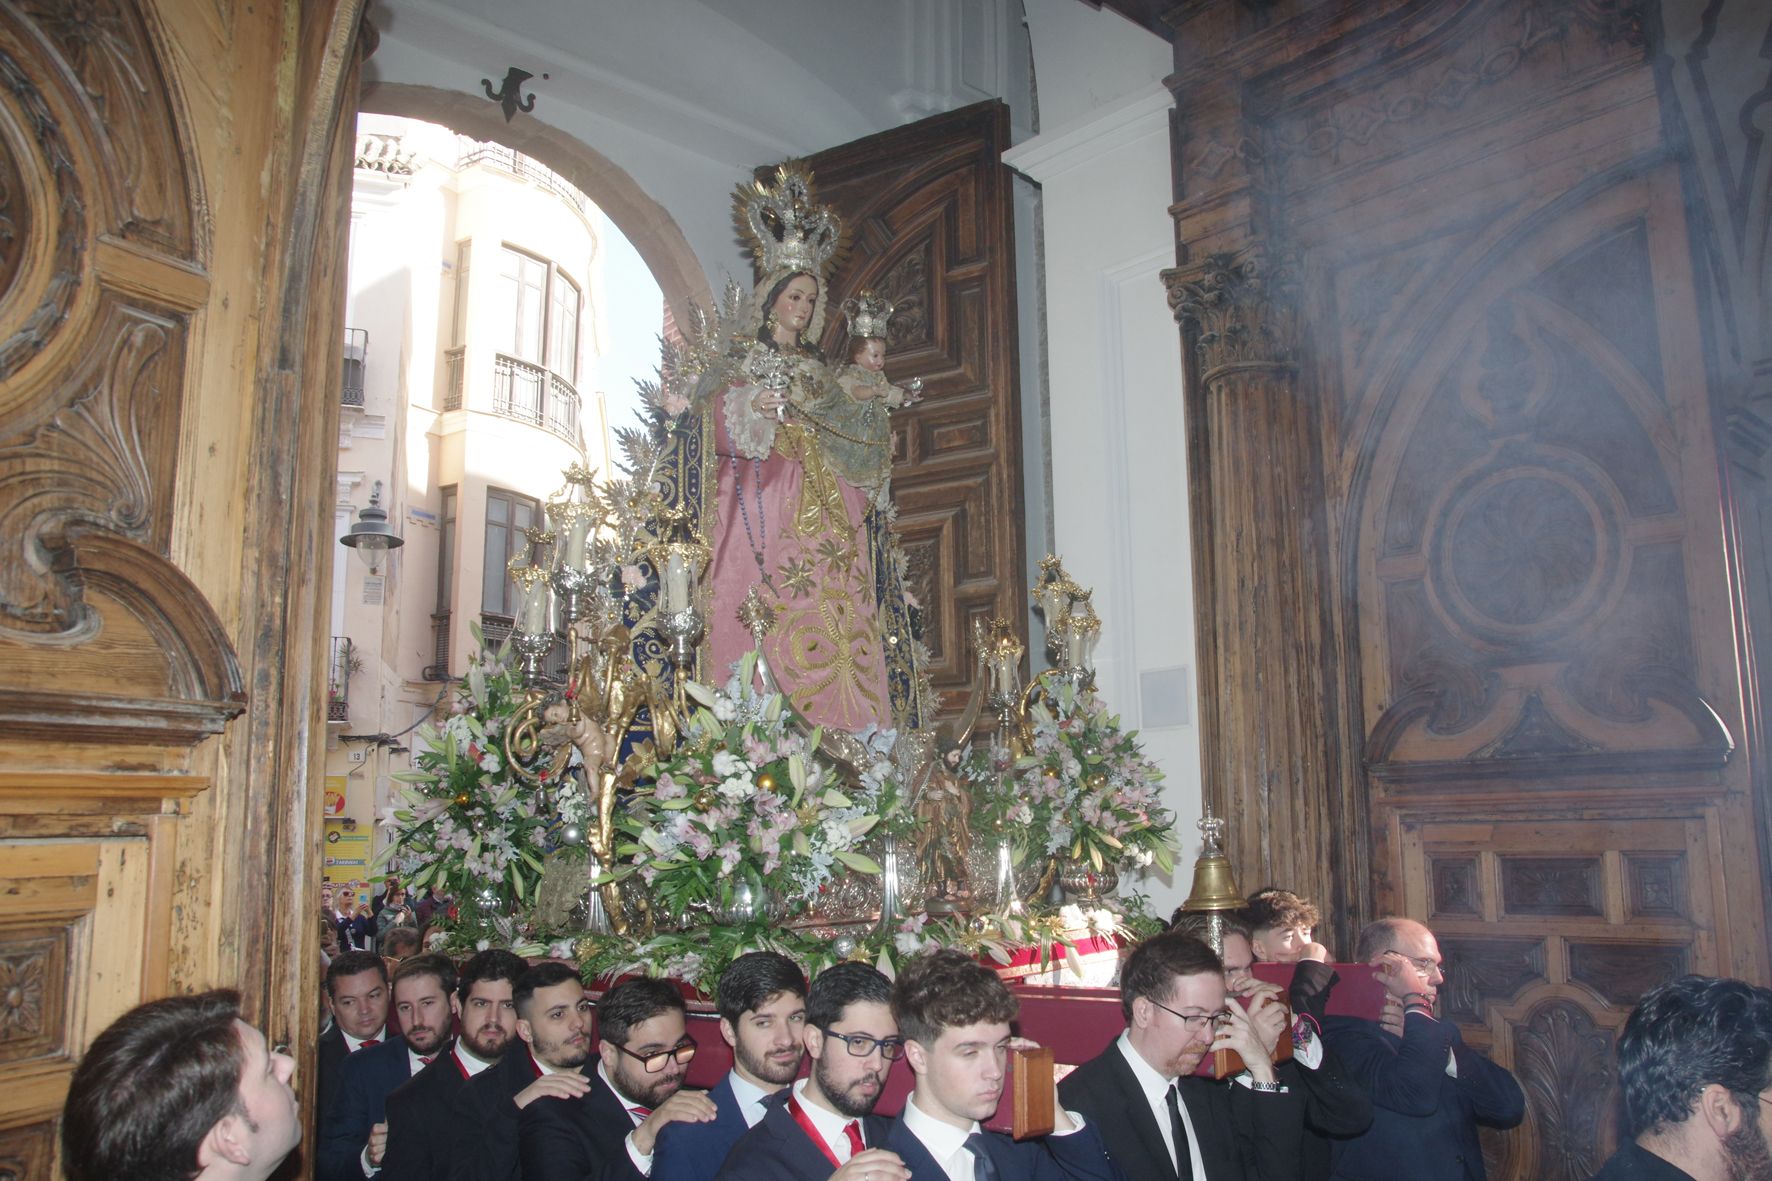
(873, 1164)
(553, 1086)
(687, 1107)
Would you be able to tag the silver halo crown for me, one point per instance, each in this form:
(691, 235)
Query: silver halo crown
(868, 314)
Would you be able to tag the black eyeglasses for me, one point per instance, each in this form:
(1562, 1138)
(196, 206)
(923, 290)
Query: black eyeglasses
(861, 1045)
(1422, 964)
(1195, 1021)
(683, 1051)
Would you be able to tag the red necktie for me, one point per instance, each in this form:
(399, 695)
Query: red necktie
(423, 1059)
(852, 1129)
(369, 1041)
(642, 1112)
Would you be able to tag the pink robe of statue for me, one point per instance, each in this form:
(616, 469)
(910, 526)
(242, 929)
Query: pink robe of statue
(789, 524)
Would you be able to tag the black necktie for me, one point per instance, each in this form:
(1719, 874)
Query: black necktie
(983, 1167)
(1184, 1160)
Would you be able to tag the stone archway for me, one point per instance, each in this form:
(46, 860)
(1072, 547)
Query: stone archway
(647, 224)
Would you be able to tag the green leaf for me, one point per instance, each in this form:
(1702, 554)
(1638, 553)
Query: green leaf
(857, 861)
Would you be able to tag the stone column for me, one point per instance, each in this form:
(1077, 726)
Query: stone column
(1263, 610)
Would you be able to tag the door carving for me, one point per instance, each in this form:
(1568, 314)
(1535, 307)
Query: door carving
(928, 210)
(1521, 669)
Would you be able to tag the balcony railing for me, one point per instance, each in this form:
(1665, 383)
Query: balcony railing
(496, 629)
(344, 664)
(517, 164)
(438, 669)
(356, 357)
(454, 378)
(532, 394)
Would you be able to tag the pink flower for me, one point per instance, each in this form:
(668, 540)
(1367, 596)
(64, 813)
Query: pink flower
(668, 788)
(700, 843)
(631, 578)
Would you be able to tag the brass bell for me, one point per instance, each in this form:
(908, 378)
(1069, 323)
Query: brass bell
(1214, 893)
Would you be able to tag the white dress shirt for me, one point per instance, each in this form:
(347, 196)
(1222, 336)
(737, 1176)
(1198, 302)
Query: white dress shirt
(750, 1098)
(946, 1143)
(353, 1044)
(469, 1062)
(830, 1125)
(1156, 1095)
(642, 1160)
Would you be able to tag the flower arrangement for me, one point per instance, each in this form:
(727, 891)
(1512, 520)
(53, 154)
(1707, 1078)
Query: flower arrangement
(464, 822)
(1083, 791)
(744, 816)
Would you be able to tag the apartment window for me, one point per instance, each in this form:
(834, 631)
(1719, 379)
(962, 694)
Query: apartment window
(545, 307)
(507, 515)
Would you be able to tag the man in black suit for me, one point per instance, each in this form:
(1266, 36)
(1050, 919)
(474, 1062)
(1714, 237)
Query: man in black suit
(1429, 1090)
(353, 1131)
(1163, 1121)
(545, 1060)
(824, 1127)
(357, 998)
(954, 1014)
(609, 1133)
(418, 1112)
(1334, 1107)
(1694, 1068)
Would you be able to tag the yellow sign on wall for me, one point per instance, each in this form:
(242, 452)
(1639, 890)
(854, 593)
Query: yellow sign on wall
(346, 863)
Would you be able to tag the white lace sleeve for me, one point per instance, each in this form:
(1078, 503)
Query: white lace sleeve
(753, 434)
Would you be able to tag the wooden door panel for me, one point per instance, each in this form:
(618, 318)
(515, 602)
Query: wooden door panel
(929, 216)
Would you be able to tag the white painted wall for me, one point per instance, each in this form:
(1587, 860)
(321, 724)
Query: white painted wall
(1113, 360)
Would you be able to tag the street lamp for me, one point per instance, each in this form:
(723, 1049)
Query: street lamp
(372, 536)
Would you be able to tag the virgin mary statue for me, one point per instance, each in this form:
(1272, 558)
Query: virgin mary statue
(792, 488)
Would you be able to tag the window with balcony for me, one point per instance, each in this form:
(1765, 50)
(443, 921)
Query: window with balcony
(537, 361)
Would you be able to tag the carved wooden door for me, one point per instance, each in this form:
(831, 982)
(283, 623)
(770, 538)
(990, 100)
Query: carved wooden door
(1448, 246)
(929, 216)
(159, 199)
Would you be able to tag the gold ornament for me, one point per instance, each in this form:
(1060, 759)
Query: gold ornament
(705, 800)
(462, 798)
(1097, 781)
(766, 782)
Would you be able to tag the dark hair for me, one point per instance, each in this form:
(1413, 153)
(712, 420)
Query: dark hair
(353, 963)
(763, 333)
(633, 1002)
(753, 980)
(493, 964)
(842, 985)
(1274, 907)
(1378, 937)
(945, 989)
(151, 1088)
(1685, 1035)
(440, 966)
(400, 941)
(1193, 922)
(543, 975)
(1151, 970)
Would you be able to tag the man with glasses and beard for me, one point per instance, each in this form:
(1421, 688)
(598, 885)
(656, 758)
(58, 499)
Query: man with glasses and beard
(1429, 1090)
(545, 1061)
(825, 1127)
(1694, 1072)
(353, 1132)
(610, 1132)
(418, 1112)
(762, 1001)
(1158, 1118)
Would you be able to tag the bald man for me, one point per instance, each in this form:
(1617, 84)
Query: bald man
(1429, 1090)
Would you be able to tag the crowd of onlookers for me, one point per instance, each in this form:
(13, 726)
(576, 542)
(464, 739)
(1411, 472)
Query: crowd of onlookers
(393, 923)
(501, 1070)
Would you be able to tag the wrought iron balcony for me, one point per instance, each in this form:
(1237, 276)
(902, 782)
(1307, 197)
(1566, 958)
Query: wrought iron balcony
(356, 358)
(454, 378)
(438, 669)
(344, 665)
(530, 393)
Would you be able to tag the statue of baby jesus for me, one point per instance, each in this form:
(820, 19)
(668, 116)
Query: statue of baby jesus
(864, 378)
